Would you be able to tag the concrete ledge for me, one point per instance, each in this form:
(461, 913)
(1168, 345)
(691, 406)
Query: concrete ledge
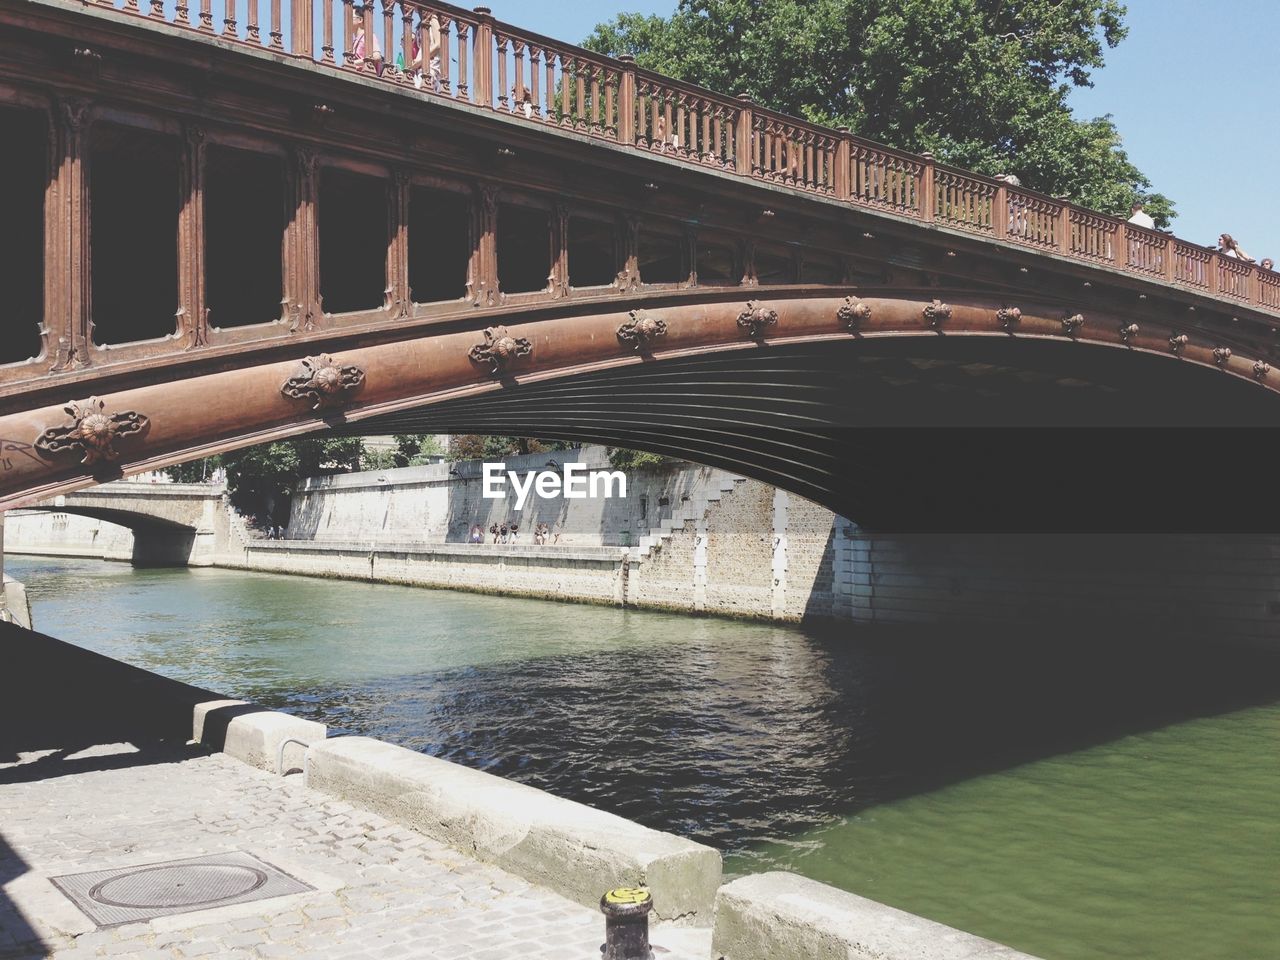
(573, 849)
(782, 916)
(254, 735)
(14, 595)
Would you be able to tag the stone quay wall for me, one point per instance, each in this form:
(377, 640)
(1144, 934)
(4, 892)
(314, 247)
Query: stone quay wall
(699, 540)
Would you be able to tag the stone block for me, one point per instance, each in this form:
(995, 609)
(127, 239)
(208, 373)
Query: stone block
(782, 916)
(251, 734)
(575, 850)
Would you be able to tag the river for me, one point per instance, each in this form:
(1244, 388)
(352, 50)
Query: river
(1080, 798)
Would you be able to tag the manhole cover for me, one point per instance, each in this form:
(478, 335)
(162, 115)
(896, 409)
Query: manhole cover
(130, 894)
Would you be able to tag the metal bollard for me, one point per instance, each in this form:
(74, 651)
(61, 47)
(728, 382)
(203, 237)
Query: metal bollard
(626, 924)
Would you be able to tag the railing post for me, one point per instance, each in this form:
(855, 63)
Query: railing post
(1064, 226)
(1170, 248)
(482, 87)
(627, 100)
(844, 162)
(928, 195)
(744, 133)
(1214, 272)
(1000, 212)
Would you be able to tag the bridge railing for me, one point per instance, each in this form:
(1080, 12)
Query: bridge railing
(450, 52)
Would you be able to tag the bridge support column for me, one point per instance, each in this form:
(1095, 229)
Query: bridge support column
(301, 250)
(482, 274)
(194, 318)
(398, 298)
(67, 239)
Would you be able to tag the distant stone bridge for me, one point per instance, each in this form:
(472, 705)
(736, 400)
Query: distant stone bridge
(173, 524)
(532, 239)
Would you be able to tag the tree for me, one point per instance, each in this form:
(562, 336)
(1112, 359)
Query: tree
(194, 471)
(471, 446)
(413, 449)
(981, 84)
(623, 459)
(262, 478)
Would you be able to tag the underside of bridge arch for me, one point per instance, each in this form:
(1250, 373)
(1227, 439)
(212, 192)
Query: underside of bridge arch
(157, 542)
(928, 434)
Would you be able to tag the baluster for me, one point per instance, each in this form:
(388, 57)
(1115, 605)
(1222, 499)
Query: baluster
(463, 29)
(535, 94)
(446, 79)
(595, 98)
(610, 109)
(654, 124)
(580, 87)
(519, 98)
(181, 13)
(388, 39)
(157, 9)
(349, 11)
(326, 17)
(229, 28)
(370, 35)
(409, 37)
(504, 101)
(717, 130)
(566, 68)
(668, 129)
(682, 128)
(482, 66)
(277, 26)
(251, 26)
(549, 61)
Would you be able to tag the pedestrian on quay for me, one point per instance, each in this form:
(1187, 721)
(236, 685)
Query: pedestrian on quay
(494, 530)
(515, 532)
(505, 531)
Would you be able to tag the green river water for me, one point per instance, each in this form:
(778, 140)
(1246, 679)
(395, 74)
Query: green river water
(1079, 801)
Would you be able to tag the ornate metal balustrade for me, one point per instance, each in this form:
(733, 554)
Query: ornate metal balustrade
(447, 51)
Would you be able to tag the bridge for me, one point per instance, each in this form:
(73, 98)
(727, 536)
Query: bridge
(528, 238)
(173, 524)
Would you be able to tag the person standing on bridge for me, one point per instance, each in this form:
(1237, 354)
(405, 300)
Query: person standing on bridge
(1139, 217)
(359, 44)
(1228, 247)
(1267, 264)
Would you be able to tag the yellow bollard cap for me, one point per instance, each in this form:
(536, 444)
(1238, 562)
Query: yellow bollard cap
(628, 896)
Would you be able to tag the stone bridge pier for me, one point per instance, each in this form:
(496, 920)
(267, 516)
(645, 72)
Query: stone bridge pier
(169, 524)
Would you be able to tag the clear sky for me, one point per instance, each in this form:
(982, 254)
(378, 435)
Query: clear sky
(1193, 90)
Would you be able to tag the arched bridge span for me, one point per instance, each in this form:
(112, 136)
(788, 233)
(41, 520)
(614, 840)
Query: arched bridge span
(173, 524)
(897, 412)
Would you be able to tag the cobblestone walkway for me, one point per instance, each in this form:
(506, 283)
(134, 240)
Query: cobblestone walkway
(382, 891)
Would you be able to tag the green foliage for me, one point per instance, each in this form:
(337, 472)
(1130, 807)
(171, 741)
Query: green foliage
(267, 473)
(982, 84)
(623, 459)
(194, 471)
(471, 446)
(413, 449)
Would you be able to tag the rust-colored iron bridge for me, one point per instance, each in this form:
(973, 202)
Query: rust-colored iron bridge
(255, 220)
